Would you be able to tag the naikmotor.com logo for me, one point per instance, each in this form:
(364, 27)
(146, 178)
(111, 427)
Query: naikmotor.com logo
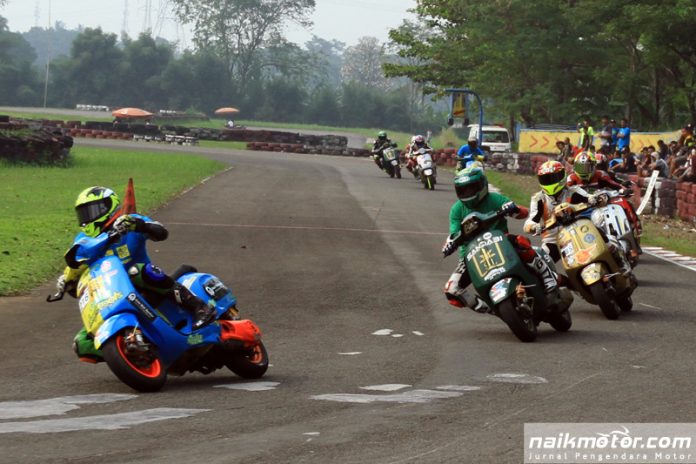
(609, 443)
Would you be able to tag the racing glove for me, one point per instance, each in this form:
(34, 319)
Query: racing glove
(510, 208)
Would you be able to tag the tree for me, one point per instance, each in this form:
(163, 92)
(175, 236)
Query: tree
(362, 63)
(18, 80)
(237, 30)
(328, 58)
(143, 64)
(92, 73)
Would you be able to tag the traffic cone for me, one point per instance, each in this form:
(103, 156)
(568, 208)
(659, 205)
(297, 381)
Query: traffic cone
(129, 198)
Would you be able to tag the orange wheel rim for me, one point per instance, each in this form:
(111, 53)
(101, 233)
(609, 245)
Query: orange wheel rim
(152, 371)
(256, 355)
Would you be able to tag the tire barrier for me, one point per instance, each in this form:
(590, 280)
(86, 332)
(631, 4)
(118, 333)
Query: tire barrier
(19, 144)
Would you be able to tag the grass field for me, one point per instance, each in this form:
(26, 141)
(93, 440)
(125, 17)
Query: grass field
(676, 237)
(37, 219)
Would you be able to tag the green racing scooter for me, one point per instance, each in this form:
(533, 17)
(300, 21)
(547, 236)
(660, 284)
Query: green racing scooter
(513, 291)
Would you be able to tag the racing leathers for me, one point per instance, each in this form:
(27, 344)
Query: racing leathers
(600, 179)
(377, 147)
(455, 288)
(412, 156)
(126, 239)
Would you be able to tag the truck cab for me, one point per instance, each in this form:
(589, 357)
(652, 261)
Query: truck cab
(495, 138)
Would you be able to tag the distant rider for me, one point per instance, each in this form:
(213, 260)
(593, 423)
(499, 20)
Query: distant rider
(381, 142)
(585, 174)
(98, 212)
(469, 153)
(471, 187)
(417, 142)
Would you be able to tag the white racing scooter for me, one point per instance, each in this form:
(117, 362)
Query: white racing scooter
(426, 169)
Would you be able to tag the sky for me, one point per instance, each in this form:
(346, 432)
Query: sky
(343, 20)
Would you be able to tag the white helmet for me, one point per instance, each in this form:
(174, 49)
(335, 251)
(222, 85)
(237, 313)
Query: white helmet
(473, 138)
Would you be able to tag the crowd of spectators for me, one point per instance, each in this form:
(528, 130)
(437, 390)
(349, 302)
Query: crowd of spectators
(675, 160)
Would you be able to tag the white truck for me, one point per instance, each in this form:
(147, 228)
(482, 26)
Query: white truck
(495, 138)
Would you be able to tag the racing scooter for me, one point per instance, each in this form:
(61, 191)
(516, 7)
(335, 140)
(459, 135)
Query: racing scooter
(426, 169)
(589, 262)
(390, 161)
(143, 342)
(515, 293)
(614, 222)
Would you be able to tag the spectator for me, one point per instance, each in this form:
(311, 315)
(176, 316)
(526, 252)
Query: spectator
(586, 134)
(623, 136)
(628, 162)
(658, 164)
(687, 173)
(230, 124)
(565, 151)
(662, 149)
(605, 135)
(614, 133)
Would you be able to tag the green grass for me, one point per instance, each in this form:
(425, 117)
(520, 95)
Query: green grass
(37, 220)
(98, 116)
(677, 237)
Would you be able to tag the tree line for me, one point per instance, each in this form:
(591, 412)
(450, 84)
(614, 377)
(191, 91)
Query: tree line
(231, 64)
(555, 61)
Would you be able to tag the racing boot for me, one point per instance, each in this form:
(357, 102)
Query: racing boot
(83, 346)
(542, 269)
(202, 313)
(463, 299)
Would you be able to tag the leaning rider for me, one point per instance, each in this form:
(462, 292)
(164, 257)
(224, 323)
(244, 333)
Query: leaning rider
(98, 212)
(554, 191)
(381, 142)
(471, 187)
(469, 153)
(417, 142)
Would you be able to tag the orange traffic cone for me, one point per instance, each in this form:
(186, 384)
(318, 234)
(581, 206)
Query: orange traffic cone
(129, 199)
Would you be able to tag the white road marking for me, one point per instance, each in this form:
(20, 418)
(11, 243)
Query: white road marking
(516, 378)
(415, 332)
(55, 406)
(397, 335)
(388, 387)
(250, 386)
(464, 388)
(312, 434)
(649, 306)
(412, 396)
(383, 332)
(351, 353)
(105, 422)
(636, 366)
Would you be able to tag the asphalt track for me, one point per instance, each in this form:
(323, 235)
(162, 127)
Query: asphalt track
(323, 252)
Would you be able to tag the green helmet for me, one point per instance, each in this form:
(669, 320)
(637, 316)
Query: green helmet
(382, 135)
(94, 207)
(471, 186)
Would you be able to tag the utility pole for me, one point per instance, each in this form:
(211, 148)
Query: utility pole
(124, 25)
(48, 56)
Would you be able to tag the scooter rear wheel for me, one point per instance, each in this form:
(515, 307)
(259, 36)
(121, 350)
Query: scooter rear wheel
(524, 328)
(140, 376)
(562, 321)
(249, 364)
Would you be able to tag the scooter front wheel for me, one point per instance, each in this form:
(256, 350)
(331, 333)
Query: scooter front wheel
(143, 372)
(249, 364)
(607, 304)
(522, 326)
